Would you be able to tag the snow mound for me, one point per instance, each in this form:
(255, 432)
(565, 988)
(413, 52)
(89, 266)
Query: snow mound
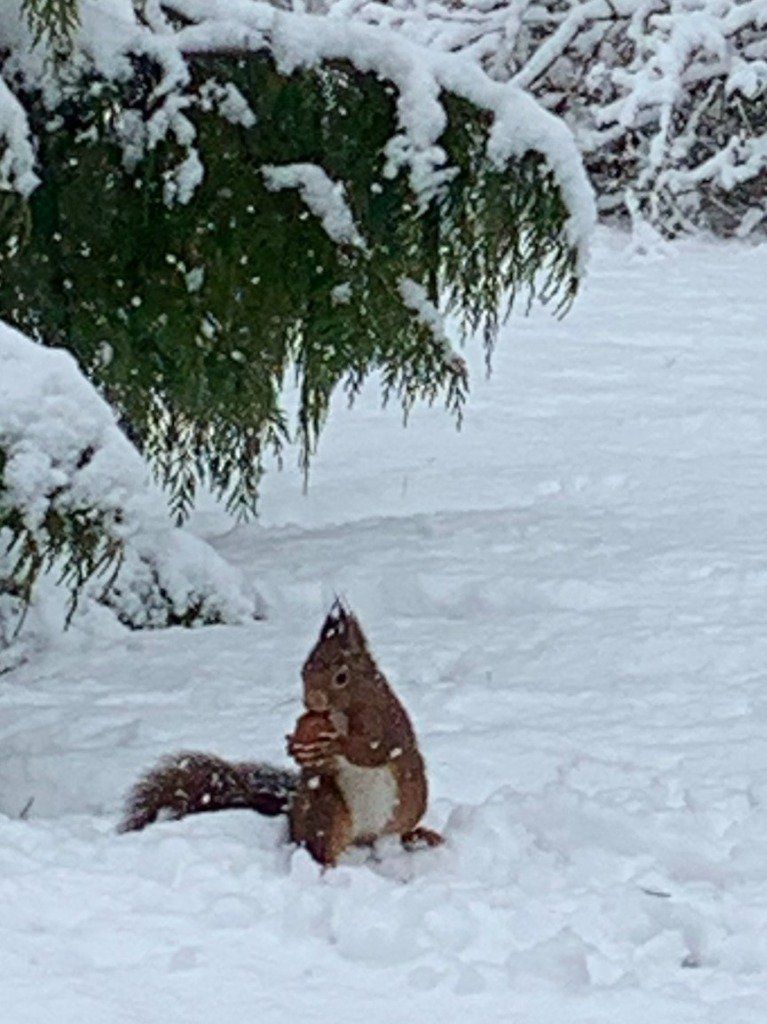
(64, 454)
(551, 900)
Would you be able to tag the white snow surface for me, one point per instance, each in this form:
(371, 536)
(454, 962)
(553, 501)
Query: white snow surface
(570, 596)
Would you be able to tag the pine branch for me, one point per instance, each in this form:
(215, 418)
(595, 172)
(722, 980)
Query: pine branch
(53, 22)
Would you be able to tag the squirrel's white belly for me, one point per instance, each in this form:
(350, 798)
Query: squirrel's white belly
(370, 795)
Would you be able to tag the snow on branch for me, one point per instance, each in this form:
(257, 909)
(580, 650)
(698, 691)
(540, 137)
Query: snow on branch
(420, 76)
(323, 197)
(666, 98)
(76, 503)
(111, 37)
(17, 156)
(427, 313)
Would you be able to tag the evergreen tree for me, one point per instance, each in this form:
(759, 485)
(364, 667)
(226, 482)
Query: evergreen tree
(293, 236)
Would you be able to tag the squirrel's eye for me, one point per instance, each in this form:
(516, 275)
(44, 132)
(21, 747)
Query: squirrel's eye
(341, 678)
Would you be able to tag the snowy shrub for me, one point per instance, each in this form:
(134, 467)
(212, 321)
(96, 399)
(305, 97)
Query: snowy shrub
(76, 503)
(204, 197)
(667, 98)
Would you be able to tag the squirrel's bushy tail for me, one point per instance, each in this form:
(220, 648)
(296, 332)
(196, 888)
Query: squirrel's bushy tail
(193, 782)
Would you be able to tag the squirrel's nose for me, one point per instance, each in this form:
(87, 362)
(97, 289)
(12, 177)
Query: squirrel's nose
(316, 700)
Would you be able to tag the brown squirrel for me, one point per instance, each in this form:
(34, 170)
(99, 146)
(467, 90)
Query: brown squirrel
(361, 775)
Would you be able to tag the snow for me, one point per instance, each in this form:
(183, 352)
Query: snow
(51, 415)
(323, 197)
(63, 453)
(417, 300)
(569, 596)
(17, 157)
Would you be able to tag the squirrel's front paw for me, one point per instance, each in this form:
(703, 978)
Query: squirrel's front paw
(315, 740)
(314, 755)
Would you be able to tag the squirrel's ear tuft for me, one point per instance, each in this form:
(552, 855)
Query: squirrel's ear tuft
(354, 638)
(343, 625)
(336, 623)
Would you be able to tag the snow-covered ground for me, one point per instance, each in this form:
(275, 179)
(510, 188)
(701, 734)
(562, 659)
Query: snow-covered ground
(570, 596)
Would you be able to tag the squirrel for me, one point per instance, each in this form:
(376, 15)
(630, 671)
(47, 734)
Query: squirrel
(360, 773)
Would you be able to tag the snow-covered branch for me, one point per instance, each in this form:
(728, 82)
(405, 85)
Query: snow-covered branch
(17, 156)
(323, 197)
(417, 300)
(666, 97)
(111, 38)
(69, 477)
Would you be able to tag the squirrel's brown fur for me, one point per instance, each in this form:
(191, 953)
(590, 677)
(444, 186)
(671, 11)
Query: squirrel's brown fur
(361, 773)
